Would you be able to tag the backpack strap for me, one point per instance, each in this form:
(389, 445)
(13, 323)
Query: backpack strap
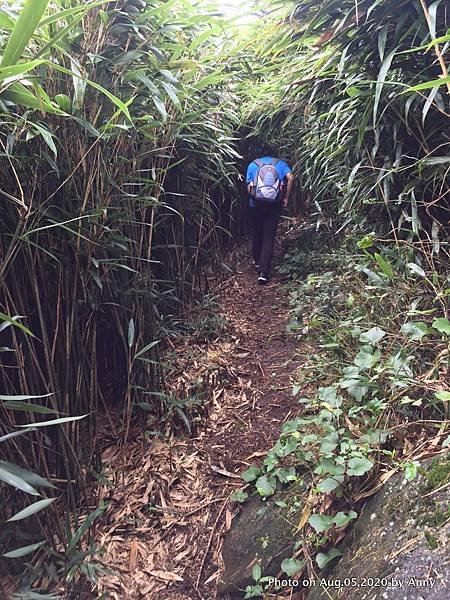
(259, 163)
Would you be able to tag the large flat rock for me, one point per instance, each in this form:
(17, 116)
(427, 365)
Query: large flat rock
(399, 547)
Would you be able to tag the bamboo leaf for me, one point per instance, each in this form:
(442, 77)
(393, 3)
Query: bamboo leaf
(380, 82)
(14, 321)
(432, 11)
(21, 398)
(32, 509)
(23, 551)
(131, 332)
(19, 69)
(32, 408)
(24, 28)
(56, 421)
(19, 94)
(428, 84)
(17, 482)
(8, 436)
(6, 22)
(146, 348)
(31, 478)
(160, 106)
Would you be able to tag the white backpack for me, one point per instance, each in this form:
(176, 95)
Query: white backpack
(267, 184)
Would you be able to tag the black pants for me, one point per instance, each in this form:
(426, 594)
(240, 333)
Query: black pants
(264, 220)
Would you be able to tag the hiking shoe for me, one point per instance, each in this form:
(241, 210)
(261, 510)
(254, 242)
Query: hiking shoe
(255, 264)
(263, 278)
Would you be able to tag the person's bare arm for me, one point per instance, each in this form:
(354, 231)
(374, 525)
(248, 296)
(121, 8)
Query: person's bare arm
(290, 185)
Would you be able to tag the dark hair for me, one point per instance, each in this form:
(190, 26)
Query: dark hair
(268, 150)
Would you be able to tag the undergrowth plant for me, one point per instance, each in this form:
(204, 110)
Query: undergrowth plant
(372, 390)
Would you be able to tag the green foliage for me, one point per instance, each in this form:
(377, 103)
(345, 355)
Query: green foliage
(371, 371)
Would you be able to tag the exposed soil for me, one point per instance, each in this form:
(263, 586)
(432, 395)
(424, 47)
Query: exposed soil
(170, 502)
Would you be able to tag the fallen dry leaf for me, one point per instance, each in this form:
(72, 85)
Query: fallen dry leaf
(166, 575)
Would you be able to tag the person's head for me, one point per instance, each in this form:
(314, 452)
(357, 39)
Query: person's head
(268, 150)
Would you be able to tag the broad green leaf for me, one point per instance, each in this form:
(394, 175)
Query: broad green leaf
(171, 93)
(168, 76)
(19, 94)
(358, 466)
(321, 523)
(341, 519)
(122, 106)
(64, 102)
(23, 551)
(266, 486)
(411, 470)
(330, 483)
(329, 442)
(373, 336)
(443, 396)
(432, 10)
(256, 572)
(291, 566)
(69, 12)
(323, 559)
(239, 496)
(330, 397)
(330, 466)
(357, 388)
(251, 474)
(367, 357)
(287, 474)
(415, 330)
(87, 523)
(32, 509)
(47, 136)
(442, 325)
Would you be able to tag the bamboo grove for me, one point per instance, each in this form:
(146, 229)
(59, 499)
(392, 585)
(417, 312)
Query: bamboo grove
(120, 127)
(117, 183)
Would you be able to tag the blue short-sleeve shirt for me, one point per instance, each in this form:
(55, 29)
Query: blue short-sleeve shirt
(282, 168)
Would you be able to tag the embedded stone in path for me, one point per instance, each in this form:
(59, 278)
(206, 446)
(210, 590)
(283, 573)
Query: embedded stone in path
(264, 532)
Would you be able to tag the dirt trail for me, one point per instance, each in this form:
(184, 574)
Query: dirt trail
(170, 500)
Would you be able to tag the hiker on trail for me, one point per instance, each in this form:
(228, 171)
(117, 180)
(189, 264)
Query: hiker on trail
(269, 184)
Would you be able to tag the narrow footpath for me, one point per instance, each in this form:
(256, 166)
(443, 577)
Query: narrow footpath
(170, 502)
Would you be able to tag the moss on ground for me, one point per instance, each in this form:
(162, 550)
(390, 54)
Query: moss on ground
(438, 473)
